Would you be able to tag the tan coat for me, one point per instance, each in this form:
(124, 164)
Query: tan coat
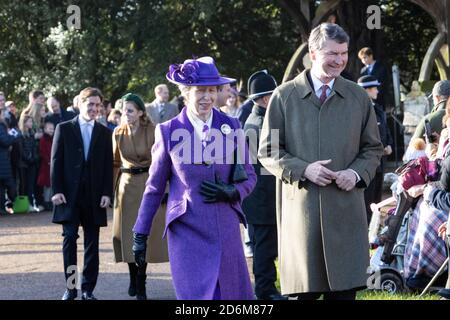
(323, 240)
(134, 151)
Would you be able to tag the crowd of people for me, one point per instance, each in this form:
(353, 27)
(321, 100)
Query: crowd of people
(27, 141)
(298, 189)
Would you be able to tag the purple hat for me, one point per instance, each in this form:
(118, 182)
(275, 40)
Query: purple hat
(197, 72)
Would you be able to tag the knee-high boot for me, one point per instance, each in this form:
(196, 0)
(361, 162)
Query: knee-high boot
(133, 273)
(141, 293)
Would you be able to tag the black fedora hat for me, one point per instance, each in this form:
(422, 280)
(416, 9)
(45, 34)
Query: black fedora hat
(260, 83)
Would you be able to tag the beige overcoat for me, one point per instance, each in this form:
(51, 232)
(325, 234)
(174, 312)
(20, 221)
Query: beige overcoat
(134, 151)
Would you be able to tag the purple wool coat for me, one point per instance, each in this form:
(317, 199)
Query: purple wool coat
(204, 242)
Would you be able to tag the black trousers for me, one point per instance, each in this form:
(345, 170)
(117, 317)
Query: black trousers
(331, 295)
(373, 193)
(91, 250)
(27, 185)
(9, 185)
(265, 251)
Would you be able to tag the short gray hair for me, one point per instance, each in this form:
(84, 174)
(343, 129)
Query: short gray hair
(442, 88)
(324, 32)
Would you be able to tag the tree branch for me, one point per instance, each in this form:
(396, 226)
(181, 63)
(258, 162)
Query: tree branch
(299, 18)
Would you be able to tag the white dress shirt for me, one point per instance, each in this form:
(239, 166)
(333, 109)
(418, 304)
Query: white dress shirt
(198, 123)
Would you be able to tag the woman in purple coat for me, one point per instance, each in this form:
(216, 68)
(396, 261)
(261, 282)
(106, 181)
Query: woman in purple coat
(195, 152)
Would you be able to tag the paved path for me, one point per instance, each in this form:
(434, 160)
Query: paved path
(31, 264)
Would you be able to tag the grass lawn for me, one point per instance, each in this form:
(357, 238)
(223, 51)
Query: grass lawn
(374, 295)
(377, 295)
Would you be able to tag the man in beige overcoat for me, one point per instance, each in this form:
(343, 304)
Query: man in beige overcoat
(324, 145)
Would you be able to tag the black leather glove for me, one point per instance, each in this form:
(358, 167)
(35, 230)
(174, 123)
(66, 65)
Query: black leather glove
(218, 191)
(139, 248)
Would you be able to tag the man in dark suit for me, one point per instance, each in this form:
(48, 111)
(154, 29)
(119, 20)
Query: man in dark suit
(81, 174)
(57, 114)
(374, 192)
(259, 207)
(374, 68)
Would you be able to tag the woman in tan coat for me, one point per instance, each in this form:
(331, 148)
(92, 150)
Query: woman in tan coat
(132, 143)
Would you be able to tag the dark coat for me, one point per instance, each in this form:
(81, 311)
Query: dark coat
(45, 149)
(58, 118)
(6, 141)
(67, 160)
(11, 120)
(260, 206)
(385, 134)
(435, 117)
(379, 71)
(29, 151)
(440, 198)
(244, 111)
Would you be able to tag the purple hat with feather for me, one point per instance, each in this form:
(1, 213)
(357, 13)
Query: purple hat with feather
(197, 72)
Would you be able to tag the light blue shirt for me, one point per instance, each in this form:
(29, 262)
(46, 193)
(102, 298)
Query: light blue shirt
(86, 128)
(370, 67)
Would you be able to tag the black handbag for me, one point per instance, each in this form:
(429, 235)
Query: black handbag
(238, 173)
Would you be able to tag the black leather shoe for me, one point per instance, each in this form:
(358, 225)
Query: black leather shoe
(132, 289)
(70, 294)
(88, 296)
(274, 296)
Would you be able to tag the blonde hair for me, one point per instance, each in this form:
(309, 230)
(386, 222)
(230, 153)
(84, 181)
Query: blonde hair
(444, 120)
(34, 111)
(418, 144)
(23, 119)
(447, 107)
(366, 51)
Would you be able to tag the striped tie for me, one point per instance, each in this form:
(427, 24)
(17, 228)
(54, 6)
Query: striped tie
(205, 132)
(323, 96)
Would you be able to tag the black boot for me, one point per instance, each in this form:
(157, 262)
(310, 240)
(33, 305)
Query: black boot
(133, 272)
(141, 293)
(48, 206)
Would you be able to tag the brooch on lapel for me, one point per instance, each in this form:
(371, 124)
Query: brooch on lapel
(225, 128)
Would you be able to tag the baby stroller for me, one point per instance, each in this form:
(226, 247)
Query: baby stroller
(386, 263)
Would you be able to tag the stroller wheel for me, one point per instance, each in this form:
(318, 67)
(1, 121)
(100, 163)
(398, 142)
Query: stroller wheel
(391, 283)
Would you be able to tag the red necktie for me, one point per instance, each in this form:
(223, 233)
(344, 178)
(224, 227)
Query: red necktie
(323, 95)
